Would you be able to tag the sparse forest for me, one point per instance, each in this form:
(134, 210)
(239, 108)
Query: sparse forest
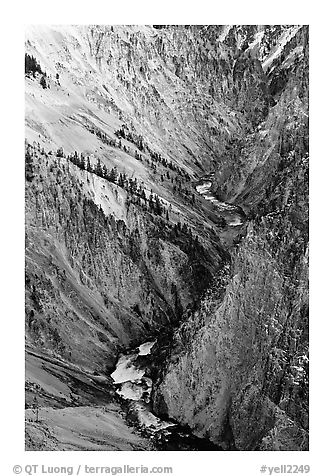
(166, 274)
(31, 66)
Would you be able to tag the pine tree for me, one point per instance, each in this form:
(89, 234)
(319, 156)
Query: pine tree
(150, 202)
(98, 168)
(75, 159)
(121, 181)
(140, 143)
(60, 152)
(29, 166)
(113, 175)
(31, 65)
(43, 82)
(35, 406)
(158, 207)
(104, 171)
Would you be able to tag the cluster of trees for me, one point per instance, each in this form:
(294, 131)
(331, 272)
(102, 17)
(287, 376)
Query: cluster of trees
(179, 181)
(103, 136)
(153, 204)
(136, 193)
(111, 142)
(179, 234)
(31, 65)
(29, 169)
(185, 193)
(43, 82)
(134, 189)
(125, 133)
(182, 235)
(138, 156)
(33, 153)
(156, 158)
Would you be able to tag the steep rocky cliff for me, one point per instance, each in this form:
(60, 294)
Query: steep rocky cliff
(121, 123)
(238, 371)
(103, 269)
(98, 279)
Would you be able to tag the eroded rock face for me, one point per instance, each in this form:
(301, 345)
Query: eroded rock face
(242, 358)
(100, 272)
(238, 371)
(96, 282)
(104, 272)
(253, 158)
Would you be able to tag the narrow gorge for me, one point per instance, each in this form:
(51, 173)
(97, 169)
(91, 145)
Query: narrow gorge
(166, 237)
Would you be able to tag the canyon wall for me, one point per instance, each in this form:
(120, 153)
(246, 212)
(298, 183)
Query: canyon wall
(238, 371)
(108, 267)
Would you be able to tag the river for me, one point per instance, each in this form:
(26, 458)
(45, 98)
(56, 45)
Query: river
(233, 215)
(134, 387)
(131, 375)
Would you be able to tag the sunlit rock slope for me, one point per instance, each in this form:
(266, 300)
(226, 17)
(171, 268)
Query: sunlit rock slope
(121, 123)
(238, 370)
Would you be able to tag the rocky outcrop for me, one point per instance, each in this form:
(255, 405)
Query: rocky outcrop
(276, 135)
(99, 282)
(165, 105)
(238, 370)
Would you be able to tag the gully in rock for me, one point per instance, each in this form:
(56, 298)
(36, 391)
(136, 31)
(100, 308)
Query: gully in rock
(145, 148)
